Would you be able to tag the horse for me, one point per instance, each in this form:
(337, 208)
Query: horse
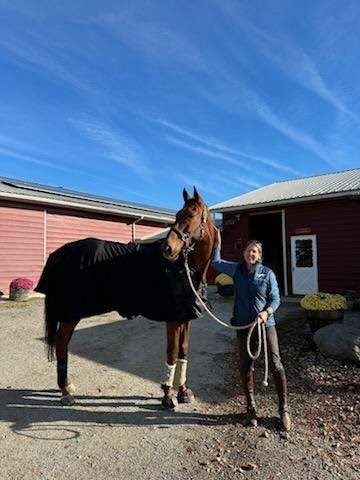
(93, 276)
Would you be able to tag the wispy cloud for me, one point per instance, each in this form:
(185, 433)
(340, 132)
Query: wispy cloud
(217, 145)
(35, 160)
(201, 185)
(257, 107)
(116, 146)
(216, 155)
(39, 57)
(289, 58)
(156, 41)
(239, 182)
(7, 152)
(299, 136)
(297, 64)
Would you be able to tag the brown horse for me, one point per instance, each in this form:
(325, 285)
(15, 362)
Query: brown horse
(93, 276)
(192, 235)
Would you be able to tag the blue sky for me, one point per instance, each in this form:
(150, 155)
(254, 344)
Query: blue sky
(135, 100)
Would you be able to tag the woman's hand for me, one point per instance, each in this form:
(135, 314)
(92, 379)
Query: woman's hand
(262, 316)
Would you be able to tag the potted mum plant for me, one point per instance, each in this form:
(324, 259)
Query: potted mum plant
(225, 285)
(323, 308)
(20, 289)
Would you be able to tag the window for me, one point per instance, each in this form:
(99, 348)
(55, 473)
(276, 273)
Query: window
(304, 253)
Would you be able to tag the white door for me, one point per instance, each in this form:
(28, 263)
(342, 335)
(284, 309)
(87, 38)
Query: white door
(304, 264)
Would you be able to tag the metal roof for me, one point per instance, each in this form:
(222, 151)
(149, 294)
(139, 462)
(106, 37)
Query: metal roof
(20, 190)
(329, 185)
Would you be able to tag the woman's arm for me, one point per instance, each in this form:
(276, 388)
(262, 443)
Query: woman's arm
(273, 294)
(218, 263)
(273, 299)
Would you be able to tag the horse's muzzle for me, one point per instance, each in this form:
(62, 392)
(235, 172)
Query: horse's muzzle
(168, 252)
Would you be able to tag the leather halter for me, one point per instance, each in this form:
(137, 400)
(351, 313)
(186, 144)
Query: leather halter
(186, 237)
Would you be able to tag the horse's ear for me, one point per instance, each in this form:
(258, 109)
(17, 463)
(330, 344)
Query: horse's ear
(197, 196)
(186, 196)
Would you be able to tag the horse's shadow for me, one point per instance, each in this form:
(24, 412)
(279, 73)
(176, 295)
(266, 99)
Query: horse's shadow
(138, 347)
(28, 411)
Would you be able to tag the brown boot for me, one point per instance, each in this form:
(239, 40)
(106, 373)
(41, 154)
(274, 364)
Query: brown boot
(281, 388)
(285, 418)
(247, 378)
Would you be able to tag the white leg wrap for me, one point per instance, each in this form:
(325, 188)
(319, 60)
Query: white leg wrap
(169, 375)
(180, 376)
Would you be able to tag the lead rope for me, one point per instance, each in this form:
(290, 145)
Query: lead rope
(251, 326)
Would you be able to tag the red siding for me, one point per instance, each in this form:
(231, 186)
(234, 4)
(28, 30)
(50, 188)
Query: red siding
(67, 226)
(21, 244)
(336, 225)
(64, 228)
(145, 230)
(23, 229)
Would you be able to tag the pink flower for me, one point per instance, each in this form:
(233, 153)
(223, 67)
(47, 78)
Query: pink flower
(25, 283)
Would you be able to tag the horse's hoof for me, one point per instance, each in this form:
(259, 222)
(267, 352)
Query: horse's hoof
(71, 388)
(67, 400)
(169, 403)
(185, 396)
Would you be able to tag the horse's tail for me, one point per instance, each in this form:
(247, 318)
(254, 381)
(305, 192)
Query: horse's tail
(51, 326)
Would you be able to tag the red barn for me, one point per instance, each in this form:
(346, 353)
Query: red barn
(309, 227)
(36, 219)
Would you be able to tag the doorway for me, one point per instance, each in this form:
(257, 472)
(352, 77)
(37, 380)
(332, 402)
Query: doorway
(267, 228)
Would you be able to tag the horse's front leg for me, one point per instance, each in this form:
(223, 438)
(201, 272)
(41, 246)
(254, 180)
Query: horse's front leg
(63, 337)
(169, 401)
(178, 335)
(185, 394)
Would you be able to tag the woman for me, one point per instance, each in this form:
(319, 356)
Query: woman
(256, 297)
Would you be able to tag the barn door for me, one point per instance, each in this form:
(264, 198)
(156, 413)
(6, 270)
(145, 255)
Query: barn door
(304, 264)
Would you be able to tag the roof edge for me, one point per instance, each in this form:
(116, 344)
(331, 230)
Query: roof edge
(234, 208)
(79, 206)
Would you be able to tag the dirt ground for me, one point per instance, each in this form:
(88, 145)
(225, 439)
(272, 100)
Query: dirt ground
(117, 429)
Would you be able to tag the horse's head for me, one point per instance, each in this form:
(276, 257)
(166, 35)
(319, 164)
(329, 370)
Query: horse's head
(189, 227)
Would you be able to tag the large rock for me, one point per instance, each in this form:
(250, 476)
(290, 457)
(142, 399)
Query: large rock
(340, 340)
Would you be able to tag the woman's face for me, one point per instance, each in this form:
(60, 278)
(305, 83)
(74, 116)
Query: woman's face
(252, 254)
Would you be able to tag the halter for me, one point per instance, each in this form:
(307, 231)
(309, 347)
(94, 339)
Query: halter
(187, 237)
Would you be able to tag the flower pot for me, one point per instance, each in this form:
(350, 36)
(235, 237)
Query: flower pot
(321, 318)
(225, 290)
(19, 294)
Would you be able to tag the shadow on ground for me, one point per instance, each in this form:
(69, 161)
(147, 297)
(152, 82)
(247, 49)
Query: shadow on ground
(30, 409)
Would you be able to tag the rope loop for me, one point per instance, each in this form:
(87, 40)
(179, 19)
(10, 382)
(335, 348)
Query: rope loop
(261, 329)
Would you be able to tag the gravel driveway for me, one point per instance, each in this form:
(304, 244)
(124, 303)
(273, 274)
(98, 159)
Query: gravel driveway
(117, 429)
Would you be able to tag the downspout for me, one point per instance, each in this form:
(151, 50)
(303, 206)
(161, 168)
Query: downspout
(283, 224)
(45, 237)
(133, 227)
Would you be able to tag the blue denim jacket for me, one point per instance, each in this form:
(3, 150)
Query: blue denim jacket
(254, 291)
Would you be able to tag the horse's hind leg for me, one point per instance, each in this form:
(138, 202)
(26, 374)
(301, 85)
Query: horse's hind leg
(63, 337)
(185, 394)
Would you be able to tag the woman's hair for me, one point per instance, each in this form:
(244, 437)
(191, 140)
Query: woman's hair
(256, 244)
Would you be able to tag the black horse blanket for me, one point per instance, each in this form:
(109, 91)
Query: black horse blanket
(91, 276)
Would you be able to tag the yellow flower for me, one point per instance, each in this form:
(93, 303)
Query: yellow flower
(323, 301)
